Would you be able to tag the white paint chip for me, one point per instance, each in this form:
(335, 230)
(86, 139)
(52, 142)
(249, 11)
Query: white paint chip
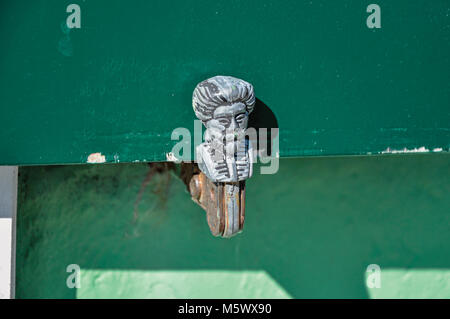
(422, 149)
(172, 158)
(96, 158)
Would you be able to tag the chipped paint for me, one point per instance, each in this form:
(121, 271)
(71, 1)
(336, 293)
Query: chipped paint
(96, 158)
(422, 149)
(438, 149)
(172, 158)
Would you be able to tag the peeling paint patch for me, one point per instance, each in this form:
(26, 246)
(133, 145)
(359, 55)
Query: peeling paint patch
(422, 149)
(437, 149)
(172, 158)
(96, 158)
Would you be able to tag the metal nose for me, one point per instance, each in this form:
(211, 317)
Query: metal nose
(233, 124)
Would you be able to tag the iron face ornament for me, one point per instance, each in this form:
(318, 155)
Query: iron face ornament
(225, 159)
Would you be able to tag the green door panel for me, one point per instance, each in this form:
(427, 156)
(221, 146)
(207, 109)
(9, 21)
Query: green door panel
(122, 82)
(311, 231)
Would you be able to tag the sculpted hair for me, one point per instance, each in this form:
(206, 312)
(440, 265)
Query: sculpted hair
(221, 90)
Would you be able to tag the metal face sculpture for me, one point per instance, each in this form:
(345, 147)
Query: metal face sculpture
(223, 104)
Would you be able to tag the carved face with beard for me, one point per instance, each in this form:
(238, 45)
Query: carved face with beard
(223, 103)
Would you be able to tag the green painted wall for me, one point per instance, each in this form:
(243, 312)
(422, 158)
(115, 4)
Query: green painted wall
(311, 231)
(124, 81)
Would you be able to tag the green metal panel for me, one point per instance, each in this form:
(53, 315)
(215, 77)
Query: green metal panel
(123, 82)
(311, 231)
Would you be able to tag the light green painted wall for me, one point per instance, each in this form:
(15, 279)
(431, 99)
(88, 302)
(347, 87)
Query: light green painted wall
(311, 231)
(179, 284)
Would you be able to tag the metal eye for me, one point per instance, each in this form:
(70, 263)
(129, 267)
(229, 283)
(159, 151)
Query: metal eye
(240, 118)
(224, 122)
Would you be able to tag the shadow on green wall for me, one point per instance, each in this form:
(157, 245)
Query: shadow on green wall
(314, 226)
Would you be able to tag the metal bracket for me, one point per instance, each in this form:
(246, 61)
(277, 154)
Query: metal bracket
(224, 203)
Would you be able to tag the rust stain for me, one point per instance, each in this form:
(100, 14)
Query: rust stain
(160, 190)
